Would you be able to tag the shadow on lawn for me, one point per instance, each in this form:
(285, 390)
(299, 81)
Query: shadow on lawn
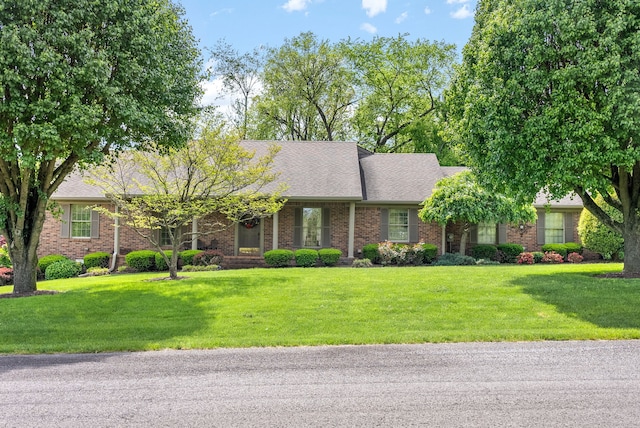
(605, 302)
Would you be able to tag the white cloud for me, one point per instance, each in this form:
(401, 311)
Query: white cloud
(462, 13)
(374, 7)
(368, 28)
(427, 11)
(212, 91)
(296, 5)
(402, 17)
(225, 11)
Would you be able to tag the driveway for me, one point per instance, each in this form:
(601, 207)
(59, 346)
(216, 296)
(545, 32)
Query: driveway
(539, 384)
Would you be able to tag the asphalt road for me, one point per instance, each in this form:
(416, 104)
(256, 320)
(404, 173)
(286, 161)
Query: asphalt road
(541, 384)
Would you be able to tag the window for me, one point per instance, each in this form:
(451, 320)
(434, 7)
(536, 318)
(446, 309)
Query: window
(486, 233)
(311, 227)
(554, 228)
(80, 221)
(399, 225)
(165, 237)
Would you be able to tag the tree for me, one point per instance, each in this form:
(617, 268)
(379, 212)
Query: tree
(596, 236)
(399, 83)
(460, 199)
(80, 80)
(307, 92)
(166, 191)
(548, 97)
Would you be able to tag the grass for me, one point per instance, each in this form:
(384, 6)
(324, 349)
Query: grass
(321, 306)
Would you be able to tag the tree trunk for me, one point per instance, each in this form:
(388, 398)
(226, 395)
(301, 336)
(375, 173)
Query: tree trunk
(25, 268)
(173, 263)
(631, 251)
(463, 242)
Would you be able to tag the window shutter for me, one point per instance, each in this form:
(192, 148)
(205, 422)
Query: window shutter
(540, 228)
(65, 225)
(95, 224)
(326, 227)
(384, 224)
(414, 235)
(473, 234)
(297, 227)
(568, 227)
(502, 233)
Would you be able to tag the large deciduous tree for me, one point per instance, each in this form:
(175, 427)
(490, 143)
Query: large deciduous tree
(156, 192)
(79, 80)
(460, 199)
(548, 97)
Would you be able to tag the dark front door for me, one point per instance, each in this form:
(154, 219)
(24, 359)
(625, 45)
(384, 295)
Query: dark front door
(248, 239)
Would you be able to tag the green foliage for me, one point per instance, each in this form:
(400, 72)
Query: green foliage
(557, 248)
(142, 260)
(62, 269)
(598, 237)
(537, 256)
(552, 257)
(306, 257)
(484, 251)
(361, 263)
(370, 251)
(508, 253)
(401, 254)
(208, 257)
(207, 268)
(159, 261)
(450, 259)
(187, 256)
(44, 262)
(278, 258)
(329, 256)
(5, 260)
(99, 259)
(97, 271)
(429, 253)
(573, 247)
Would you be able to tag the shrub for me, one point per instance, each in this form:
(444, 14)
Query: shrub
(526, 259)
(400, 254)
(208, 257)
(192, 268)
(429, 253)
(537, 256)
(508, 253)
(5, 260)
(573, 247)
(370, 251)
(98, 259)
(330, 256)
(306, 257)
(596, 236)
(142, 260)
(97, 271)
(45, 261)
(62, 269)
(278, 258)
(556, 248)
(552, 257)
(159, 260)
(362, 263)
(6, 275)
(485, 251)
(187, 256)
(574, 258)
(455, 259)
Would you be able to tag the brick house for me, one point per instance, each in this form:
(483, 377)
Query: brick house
(339, 195)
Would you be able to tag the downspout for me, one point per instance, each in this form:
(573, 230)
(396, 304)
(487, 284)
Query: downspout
(444, 239)
(116, 243)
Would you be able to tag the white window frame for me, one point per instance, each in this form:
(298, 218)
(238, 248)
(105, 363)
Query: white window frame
(398, 231)
(552, 234)
(487, 233)
(80, 221)
(312, 233)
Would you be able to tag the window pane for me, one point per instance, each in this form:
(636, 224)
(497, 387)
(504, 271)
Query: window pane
(554, 228)
(486, 233)
(399, 225)
(80, 221)
(311, 227)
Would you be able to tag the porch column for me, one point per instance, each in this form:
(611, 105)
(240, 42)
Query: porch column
(116, 241)
(352, 229)
(444, 239)
(274, 244)
(194, 234)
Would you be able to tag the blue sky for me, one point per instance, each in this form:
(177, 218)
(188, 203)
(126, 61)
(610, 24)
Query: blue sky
(248, 24)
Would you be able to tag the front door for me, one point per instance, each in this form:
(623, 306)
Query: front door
(249, 239)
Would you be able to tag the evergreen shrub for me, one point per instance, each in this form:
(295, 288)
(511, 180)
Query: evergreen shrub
(159, 260)
(485, 251)
(278, 258)
(508, 253)
(306, 257)
(141, 260)
(187, 256)
(99, 259)
(429, 253)
(455, 259)
(370, 251)
(556, 248)
(330, 256)
(44, 262)
(62, 269)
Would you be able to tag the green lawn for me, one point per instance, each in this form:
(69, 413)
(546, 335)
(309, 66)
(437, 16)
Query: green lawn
(289, 307)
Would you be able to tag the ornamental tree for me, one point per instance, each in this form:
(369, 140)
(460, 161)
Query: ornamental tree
(80, 80)
(596, 236)
(167, 191)
(460, 199)
(548, 97)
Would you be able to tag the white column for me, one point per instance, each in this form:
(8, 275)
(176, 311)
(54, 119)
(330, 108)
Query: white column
(194, 234)
(444, 239)
(352, 229)
(116, 241)
(276, 225)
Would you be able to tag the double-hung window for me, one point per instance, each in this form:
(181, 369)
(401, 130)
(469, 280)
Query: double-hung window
(486, 233)
(398, 225)
(312, 227)
(80, 221)
(554, 228)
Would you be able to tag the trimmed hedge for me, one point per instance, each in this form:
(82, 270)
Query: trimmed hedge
(330, 256)
(99, 259)
(429, 253)
(485, 251)
(573, 247)
(159, 260)
(62, 269)
(454, 259)
(556, 248)
(187, 256)
(306, 257)
(278, 258)
(370, 251)
(508, 253)
(142, 260)
(46, 261)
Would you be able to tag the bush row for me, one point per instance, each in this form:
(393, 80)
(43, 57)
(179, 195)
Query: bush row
(548, 257)
(304, 257)
(149, 260)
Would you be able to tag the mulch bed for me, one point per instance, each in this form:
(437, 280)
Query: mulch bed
(33, 293)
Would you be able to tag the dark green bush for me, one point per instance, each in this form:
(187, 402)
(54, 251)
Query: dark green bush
(62, 269)
(142, 260)
(278, 258)
(454, 259)
(208, 257)
(556, 248)
(330, 256)
(537, 256)
(45, 261)
(99, 259)
(306, 257)
(429, 253)
(573, 247)
(508, 253)
(159, 260)
(370, 251)
(187, 256)
(485, 251)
